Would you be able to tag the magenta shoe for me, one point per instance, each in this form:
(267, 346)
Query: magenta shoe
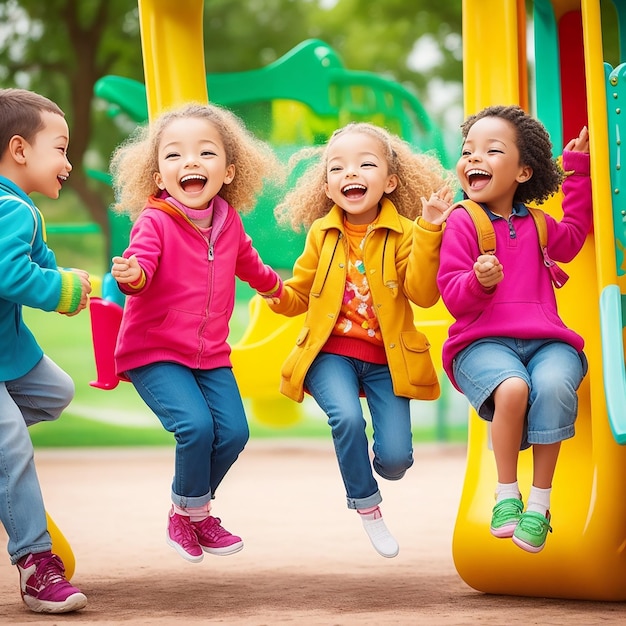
(215, 539)
(44, 587)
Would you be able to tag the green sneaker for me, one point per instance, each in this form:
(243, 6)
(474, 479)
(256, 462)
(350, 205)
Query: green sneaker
(505, 517)
(532, 530)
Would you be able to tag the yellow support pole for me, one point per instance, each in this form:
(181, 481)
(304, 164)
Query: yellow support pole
(492, 39)
(172, 45)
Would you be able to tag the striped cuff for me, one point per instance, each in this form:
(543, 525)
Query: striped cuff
(71, 292)
(139, 283)
(276, 291)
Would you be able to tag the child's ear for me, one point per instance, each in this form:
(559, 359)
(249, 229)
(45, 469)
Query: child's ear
(230, 174)
(525, 174)
(326, 191)
(158, 179)
(392, 183)
(17, 149)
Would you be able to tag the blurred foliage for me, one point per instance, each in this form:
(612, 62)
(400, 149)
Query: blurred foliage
(62, 47)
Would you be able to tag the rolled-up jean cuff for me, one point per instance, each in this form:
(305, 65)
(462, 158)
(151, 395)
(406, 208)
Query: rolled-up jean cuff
(364, 503)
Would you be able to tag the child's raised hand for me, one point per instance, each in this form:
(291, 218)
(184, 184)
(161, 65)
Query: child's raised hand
(488, 270)
(125, 270)
(436, 209)
(580, 143)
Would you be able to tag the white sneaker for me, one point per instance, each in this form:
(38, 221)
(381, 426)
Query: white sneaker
(379, 535)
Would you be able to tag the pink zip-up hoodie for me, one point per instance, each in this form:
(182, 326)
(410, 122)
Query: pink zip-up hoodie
(523, 305)
(182, 312)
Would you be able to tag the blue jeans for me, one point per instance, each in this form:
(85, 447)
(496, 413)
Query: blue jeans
(39, 396)
(336, 382)
(204, 411)
(553, 371)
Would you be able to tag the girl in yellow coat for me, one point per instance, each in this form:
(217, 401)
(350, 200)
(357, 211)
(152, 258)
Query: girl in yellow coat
(367, 257)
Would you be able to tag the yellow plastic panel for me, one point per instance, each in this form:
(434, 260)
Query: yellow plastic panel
(61, 547)
(490, 54)
(584, 557)
(173, 52)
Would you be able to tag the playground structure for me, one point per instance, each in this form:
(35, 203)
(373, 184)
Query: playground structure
(297, 101)
(584, 557)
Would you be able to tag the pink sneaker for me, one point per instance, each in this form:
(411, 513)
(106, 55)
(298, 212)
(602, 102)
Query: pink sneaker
(181, 536)
(44, 587)
(215, 539)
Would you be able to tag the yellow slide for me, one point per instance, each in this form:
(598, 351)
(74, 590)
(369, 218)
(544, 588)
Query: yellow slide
(584, 557)
(61, 547)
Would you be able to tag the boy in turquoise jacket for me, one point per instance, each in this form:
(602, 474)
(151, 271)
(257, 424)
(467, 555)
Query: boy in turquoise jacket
(33, 158)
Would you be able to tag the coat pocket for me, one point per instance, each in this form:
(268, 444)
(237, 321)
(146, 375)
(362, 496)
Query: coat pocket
(295, 355)
(416, 352)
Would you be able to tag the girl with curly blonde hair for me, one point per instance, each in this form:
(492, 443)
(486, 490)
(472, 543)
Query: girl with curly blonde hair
(375, 211)
(180, 179)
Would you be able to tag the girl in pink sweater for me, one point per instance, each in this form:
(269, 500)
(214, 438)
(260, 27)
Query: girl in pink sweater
(508, 350)
(180, 180)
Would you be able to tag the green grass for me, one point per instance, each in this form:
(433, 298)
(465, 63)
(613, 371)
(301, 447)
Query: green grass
(120, 418)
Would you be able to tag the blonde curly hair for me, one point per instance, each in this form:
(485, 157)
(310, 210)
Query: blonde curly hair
(135, 161)
(419, 175)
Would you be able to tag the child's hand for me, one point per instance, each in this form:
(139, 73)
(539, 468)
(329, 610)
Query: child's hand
(436, 209)
(271, 299)
(581, 143)
(488, 270)
(126, 270)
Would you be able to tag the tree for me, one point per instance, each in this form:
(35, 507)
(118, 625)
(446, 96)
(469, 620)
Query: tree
(62, 47)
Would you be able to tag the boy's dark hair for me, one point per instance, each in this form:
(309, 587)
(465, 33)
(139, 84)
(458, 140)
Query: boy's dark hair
(535, 150)
(20, 112)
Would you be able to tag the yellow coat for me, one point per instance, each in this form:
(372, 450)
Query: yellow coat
(401, 258)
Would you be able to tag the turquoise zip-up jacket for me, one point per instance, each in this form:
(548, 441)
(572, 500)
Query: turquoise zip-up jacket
(29, 277)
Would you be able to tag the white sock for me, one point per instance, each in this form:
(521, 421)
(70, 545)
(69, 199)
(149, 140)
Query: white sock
(539, 500)
(507, 490)
(379, 535)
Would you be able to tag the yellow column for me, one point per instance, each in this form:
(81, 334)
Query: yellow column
(172, 45)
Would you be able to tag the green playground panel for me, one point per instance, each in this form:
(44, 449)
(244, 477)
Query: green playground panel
(298, 100)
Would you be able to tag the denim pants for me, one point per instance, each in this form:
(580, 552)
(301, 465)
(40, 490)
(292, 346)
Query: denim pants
(336, 382)
(204, 411)
(40, 395)
(553, 371)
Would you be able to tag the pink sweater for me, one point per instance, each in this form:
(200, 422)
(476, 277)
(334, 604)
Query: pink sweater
(182, 313)
(523, 305)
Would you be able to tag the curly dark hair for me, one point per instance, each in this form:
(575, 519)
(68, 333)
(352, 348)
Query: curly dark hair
(535, 149)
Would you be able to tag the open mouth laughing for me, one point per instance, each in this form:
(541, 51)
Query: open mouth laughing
(478, 178)
(354, 191)
(193, 183)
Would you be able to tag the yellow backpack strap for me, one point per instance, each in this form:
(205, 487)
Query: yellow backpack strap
(539, 217)
(483, 225)
(558, 276)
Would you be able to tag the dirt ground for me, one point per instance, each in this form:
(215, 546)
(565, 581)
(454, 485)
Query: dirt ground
(306, 558)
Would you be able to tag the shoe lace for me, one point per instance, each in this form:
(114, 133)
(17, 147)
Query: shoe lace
(507, 509)
(50, 570)
(535, 525)
(212, 528)
(185, 534)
